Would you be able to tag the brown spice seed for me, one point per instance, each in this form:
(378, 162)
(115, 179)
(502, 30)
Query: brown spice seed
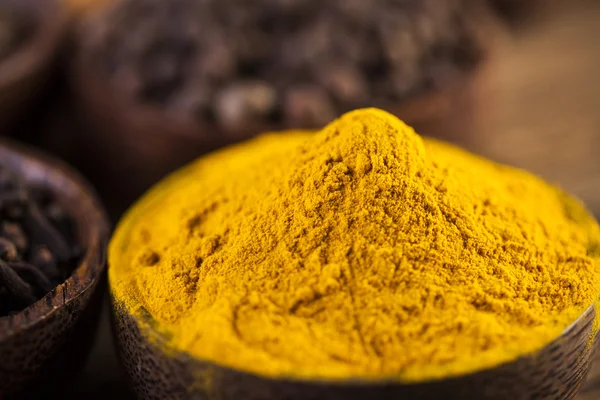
(32, 217)
(8, 251)
(308, 105)
(345, 83)
(14, 233)
(216, 46)
(15, 285)
(43, 258)
(40, 281)
(245, 102)
(44, 232)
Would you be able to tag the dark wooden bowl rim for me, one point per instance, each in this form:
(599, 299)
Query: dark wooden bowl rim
(92, 224)
(149, 323)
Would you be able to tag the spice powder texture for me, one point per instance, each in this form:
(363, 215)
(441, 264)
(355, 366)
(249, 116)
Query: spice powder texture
(362, 250)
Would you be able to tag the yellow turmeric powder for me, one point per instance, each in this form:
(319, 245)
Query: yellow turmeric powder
(358, 251)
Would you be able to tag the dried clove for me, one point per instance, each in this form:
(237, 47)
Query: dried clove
(38, 250)
(10, 280)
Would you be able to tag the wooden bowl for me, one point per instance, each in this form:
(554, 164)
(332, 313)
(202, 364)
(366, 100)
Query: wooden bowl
(144, 143)
(555, 372)
(23, 72)
(46, 344)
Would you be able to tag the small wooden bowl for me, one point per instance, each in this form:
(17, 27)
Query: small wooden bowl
(23, 72)
(555, 372)
(46, 344)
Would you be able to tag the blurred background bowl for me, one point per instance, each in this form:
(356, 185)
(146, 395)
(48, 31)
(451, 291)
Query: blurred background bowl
(129, 146)
(45, 345)
(24, 70)
(125, 145)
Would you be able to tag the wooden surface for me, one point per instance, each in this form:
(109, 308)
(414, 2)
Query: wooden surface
(535, 104)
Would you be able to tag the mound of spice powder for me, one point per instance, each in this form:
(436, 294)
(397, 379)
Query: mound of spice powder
(361, 250)
(38, 250)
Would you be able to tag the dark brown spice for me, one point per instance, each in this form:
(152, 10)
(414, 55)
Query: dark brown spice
(242, 63)
(38, 250)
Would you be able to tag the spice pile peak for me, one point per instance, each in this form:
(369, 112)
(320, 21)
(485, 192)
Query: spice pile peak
(361, 250)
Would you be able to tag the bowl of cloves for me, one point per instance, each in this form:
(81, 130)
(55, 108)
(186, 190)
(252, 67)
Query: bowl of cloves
(160, 83)
(53, 233)
(31, 32)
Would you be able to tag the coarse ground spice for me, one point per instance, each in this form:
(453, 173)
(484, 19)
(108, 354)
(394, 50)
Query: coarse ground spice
(361, 250)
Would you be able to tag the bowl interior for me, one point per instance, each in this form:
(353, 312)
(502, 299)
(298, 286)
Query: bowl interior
(90, 224)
